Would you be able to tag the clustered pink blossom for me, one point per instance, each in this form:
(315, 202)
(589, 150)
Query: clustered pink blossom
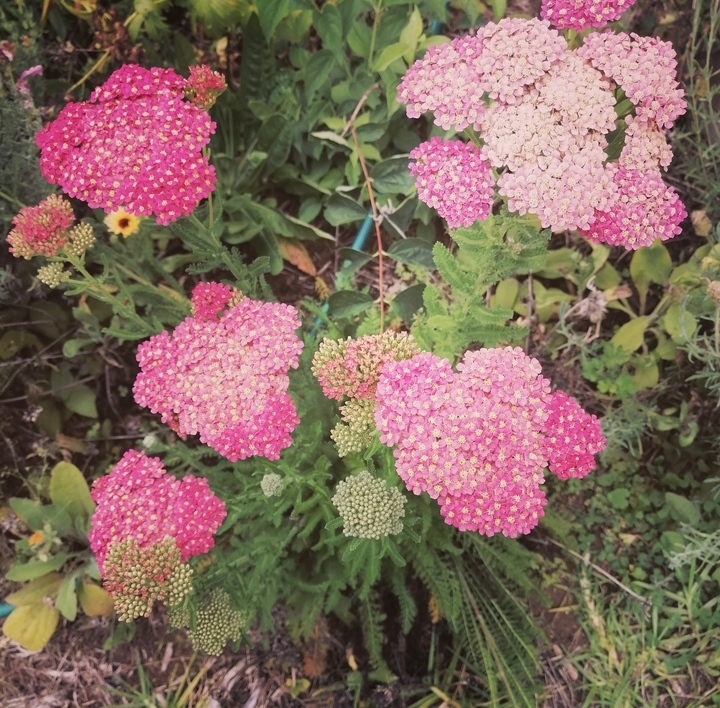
(136, 144)
(209, 300)
(544, 114)
(453, 178)
(572, 437)
(139, 500)
(225, 377)
(204, 86)
(41, 230)
(476, 440)
(581, 14)
(645, 209)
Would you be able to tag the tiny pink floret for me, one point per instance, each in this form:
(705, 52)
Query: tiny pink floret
(138, 499)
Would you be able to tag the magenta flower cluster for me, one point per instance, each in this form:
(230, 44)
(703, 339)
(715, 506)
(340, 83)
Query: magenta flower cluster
(139, 500)
(223, 373)
(453, 178)
(478, 440)
(136, 145)
(544, 114)
(581, 14)
(42, 229)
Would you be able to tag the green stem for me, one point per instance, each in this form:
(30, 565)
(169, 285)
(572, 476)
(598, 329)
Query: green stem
(376, 24)
(10, 199)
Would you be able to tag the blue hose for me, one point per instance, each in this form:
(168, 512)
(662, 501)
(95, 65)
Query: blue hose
(5, 609)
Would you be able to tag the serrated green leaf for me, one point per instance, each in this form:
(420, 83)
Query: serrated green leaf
(31, 626)
(618, 498)
(69, 490)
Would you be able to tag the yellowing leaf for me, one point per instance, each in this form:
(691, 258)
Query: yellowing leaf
(631, 335)
(95, 601)
(297, 254)
(36, 590)
(70, 491)
(31, 626)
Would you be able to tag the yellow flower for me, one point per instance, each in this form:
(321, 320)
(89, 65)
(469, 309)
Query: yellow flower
(122, 223)
(36, 538)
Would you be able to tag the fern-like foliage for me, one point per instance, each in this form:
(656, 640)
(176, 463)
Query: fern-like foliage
(457, 315)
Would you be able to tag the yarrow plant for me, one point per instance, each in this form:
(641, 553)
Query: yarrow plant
(134, 145)
(146, 525)
(479, 440)
(544, 114)
(223, 373)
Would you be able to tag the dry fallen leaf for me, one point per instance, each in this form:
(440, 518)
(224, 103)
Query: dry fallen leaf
(297, 254)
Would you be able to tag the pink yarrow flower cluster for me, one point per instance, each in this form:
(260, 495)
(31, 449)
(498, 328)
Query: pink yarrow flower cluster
(139, 500)
(204, 86)
(544, 114)
(41, 230)
(136, 145)
(477, 440)
(581, 14)
(223, 373)
(453, 178)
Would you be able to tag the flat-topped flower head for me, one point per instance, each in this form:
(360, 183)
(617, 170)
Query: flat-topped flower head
(453, 178)
(572, 437)
(41, 230)
(139, 500)
(351, 367)
(223, 374)
(646, 147)
(645, 209)
(368, 507)
(204, 86)
(644, 67)
(136, 145)
(581, 14)
(474, 440)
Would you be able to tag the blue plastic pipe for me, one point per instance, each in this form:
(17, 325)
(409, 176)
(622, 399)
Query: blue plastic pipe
(6, 609)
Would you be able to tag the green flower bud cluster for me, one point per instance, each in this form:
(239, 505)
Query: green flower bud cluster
(368, 507)
(216, 623)
(137, 577)
(80, 238)
(272, 485)
(358, 430)
(53, 274)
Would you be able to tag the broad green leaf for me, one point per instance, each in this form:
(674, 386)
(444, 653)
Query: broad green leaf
(29, 511)
(72, 347)
(618, 498)
(651, 264)
(679, 323)
(558, 264)
(94, 600)
(69, 490)
(343, 210)
(348, 303)
(607, 277)
(34, 568)
(14, 340)
(411, 33)
(31, 626)
(407, 302)
(391, 53)
(328, 25)
(392, 176)
(683, 509)
(506, 293)
(67, 600)
(631, 335)
(270, 12)
(353, 259)
(413, 251)
(647, 374)
(81, 400)
(317, 72)
(36, 590)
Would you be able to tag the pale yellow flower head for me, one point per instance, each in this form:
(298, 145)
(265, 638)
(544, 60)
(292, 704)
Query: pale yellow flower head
(122, 223)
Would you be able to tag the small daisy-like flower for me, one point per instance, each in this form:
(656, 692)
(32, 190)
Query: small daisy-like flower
(122, 223)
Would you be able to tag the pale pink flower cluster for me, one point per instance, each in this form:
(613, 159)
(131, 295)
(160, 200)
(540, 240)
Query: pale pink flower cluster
(476, 440)
(572, 437)
(136, 144)
(139, 500)
(581, 14)
(225, 377)
(644, 67)
(544, 114)
(453, 178)
(204, 86)
(41, 230)
(645, 209)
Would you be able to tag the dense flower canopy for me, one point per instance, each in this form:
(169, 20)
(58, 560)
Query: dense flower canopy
(477, 440)
(581, 14)
(222, 373)
(134, 145)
